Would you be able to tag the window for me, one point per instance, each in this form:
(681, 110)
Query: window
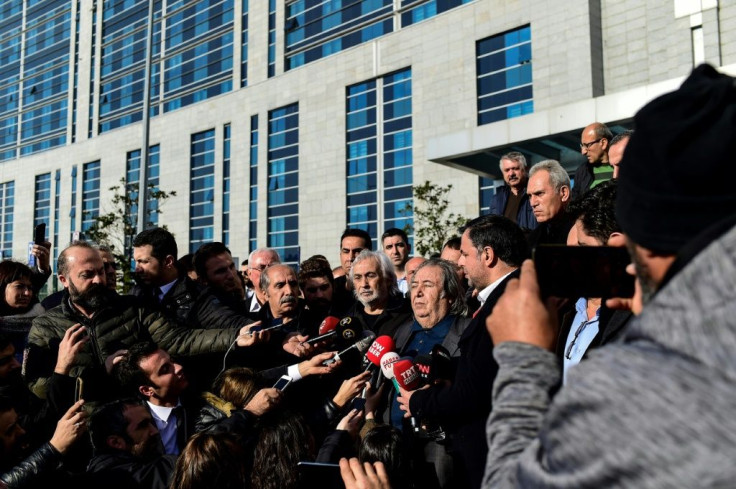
(244, 51)
(201, 189)
(414, 11)
(7, 201)
(73, 210)
(90, 194)
(132, 179)
(42, 207)
(283, 182)
(253, 211)
(226, 185)
(55, 240)
(271, 38)
(504, 70)
(379, 154)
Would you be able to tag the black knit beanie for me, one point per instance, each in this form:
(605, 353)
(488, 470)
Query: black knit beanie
(678, 173)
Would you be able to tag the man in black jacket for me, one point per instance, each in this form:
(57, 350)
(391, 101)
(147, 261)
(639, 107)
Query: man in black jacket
(492, 249)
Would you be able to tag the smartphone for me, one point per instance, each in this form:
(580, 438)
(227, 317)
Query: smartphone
(583, 271)
(79, 389)
(282, 383)
(359, 403)
(39, 234)
(315, 474)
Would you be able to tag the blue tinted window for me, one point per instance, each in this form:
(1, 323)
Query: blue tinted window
(253, 209)
(90, 194)
(202, 189)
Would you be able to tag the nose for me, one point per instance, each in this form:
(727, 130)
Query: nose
(98, 278)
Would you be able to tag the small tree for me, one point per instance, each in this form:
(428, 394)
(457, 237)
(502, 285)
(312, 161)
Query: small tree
(432, 226)
(117, 228)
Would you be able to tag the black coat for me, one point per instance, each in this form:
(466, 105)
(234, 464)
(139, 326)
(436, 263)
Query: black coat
(463, 407)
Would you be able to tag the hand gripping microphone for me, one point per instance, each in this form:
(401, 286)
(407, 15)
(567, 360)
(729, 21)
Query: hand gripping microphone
(326, 329)
(361, 347)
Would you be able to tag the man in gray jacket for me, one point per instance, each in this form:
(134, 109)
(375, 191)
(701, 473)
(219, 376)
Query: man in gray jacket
(655, 410)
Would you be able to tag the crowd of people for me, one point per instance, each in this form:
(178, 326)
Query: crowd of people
(400, 371)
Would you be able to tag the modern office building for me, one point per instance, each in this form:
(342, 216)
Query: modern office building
(280, 122)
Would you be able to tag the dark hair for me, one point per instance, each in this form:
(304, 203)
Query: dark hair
(313, 267)
(211, 460)
(237, 386)
(284, 441)
(6, 404)
(204, 253)
(596, 208)
(186, 263)
(162, 242)
(452, 243)
(357, 233)
(244, 262)
(10, 271)
(395, 232)
(502, 235)
(5, 341)
(384, 443)
(128, 372)
(62, 264)
(621, 136)
(109, 420)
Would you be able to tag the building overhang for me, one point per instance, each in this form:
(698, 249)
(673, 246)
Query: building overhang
(547, 134)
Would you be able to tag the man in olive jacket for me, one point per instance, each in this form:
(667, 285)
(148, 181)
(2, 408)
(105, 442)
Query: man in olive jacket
(111, 323)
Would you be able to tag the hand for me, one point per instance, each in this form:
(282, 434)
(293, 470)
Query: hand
(72, 343)
(111, 360)
(314, 366)
(363, 476)
(263, 401)
(521, 316)
(351, 423)
(633, 304)
(350, 388)
(403, 399)
(250, 338)
(42, 254)
(372, 399)
(295, 344)
(70, 427)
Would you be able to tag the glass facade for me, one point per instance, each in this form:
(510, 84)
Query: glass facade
(55, 240)
(504, 70)
(42, 201)
(414, 11)
(226, 185)
(34, 75)
(90, 194)
(244, 47)
(132, 177)
(73, 210)
(7, 202)
(271, 38)
(202, 189)
(253, 209)
(283, 182)
(486, 190)
(379, 152)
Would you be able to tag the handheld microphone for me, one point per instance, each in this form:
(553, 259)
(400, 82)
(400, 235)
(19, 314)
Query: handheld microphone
(381, 346)
(387, 367)
(407, 375)
(326, 329)
(361, 346)
(441, 363)
(424, 366)
(346, 331)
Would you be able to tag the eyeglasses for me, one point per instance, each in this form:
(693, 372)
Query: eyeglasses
(588, 145)
(568, 353)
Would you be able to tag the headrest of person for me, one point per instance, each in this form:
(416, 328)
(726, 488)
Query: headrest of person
(677, 174)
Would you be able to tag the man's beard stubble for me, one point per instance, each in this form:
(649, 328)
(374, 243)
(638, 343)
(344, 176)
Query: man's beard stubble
(95, 298)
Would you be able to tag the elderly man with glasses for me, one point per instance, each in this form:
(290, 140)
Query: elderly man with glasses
(594, 144)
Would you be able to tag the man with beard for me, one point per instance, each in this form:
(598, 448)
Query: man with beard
(381, 307)
(127, 446)
(110, 323)
(654, 410)
(511, 200)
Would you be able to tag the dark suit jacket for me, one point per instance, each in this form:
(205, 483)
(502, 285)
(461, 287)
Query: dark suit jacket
(463, 407)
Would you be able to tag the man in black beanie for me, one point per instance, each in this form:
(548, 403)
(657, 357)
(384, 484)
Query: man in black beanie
(656, 409)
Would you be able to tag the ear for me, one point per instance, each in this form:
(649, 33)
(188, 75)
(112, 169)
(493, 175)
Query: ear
(565, 193)
(605, 144)
(116, 442)
(64, 281)
(488, 256)
(169, 262)
(146, 390)
(616, 239)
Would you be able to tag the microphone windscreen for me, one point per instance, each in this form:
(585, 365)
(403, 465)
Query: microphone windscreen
(381, 346)
(328, 324)
(363, 345)
(348, 331)
(387, 364)
(406, 374)
(441, 363)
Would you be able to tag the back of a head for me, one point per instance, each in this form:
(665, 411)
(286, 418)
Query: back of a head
(676, 176)
(385, 443)
(211, 460)
(161, 241)
(284, 441)
(596, 208)
(503, 235)
(237, 385)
